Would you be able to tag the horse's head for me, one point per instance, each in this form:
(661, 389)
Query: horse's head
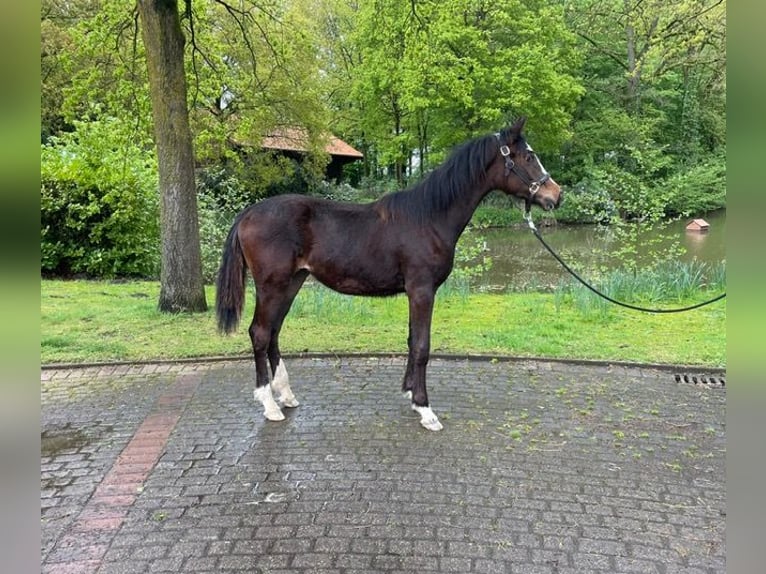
(518, 172)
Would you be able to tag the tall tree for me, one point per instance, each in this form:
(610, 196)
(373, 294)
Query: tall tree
(181, 284)
(655, 107)
(426, 74)
(648, 39)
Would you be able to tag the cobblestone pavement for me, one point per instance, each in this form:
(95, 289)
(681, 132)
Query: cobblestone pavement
(542, 467)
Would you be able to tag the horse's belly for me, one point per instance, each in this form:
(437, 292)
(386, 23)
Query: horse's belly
(360, 283)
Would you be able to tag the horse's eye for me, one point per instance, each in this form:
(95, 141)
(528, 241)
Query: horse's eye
(529, 157)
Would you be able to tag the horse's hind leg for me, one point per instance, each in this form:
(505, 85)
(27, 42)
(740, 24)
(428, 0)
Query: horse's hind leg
(280, 382)
(268, 303)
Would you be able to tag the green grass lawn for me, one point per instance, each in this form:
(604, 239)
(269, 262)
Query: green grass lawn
(91, 321)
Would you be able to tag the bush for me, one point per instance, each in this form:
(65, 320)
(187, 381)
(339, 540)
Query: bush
(698, 190)
(99, 206)
(221, 195)
(587, 202)
(488, 215)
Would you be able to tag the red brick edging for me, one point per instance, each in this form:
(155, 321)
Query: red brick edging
(94, 528)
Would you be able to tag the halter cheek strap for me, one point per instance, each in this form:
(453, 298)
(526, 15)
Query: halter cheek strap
(505, 151)
(510, 166)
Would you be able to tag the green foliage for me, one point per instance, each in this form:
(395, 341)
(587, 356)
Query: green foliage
(220, 196)
(369, 189)
(626, 104)
(100, 60)
(430, 75)
(652, 121)
(471, 260)
(634, 197)
(99, 203)
(627, 240)
(587, 202)
(254, 70)
(611, 193)
(698, 190)
(495, 215)
(250, 71)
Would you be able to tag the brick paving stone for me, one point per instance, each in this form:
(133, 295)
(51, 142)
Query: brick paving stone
(542, 467)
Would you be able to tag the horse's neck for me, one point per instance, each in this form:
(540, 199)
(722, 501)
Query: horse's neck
(463, 208)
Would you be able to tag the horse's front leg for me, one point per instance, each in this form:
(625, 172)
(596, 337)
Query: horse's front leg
(419, 343)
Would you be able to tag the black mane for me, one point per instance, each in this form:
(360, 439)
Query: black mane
(464, 168)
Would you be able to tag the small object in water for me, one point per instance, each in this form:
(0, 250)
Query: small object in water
(699, 225)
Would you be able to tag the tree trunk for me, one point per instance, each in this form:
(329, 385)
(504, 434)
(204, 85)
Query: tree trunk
(181, 284)
(633, 72)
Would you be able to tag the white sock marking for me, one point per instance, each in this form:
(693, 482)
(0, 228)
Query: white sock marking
(270, 408)
(428, 418)
(281, 386)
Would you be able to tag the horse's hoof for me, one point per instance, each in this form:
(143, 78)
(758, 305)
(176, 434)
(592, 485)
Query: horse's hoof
(271, 409)
(428, 418)
(276, 415)
(432, 425)
(290, 403)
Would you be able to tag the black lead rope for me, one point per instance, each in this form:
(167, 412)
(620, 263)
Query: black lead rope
(528, 219)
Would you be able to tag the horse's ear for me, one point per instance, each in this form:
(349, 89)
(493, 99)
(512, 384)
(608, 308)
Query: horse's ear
(518, 126)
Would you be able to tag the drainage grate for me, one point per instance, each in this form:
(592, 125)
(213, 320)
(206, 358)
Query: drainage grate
(709, 381)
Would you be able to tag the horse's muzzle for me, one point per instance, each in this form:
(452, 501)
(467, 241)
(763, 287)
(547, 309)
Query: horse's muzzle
(550, 196)
(549, 204)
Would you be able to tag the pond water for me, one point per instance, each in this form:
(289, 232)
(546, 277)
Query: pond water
(519, 260)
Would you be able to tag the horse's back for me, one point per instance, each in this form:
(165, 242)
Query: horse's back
(295, 207)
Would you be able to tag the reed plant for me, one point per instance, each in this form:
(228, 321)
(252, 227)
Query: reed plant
(667, 283)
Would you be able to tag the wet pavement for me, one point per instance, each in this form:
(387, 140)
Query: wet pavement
(542, 467)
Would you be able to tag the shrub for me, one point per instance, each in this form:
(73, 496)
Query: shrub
(587, 202)
(698, 190)
(472, 260)
(221, 195)
(491, 215)
(99, 206)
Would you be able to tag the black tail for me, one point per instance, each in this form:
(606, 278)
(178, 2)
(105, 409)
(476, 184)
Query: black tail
(230, 284)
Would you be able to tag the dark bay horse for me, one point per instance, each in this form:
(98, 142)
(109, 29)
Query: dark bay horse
(402, 243)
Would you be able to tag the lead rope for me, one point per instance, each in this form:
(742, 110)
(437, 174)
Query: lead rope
(528, 219)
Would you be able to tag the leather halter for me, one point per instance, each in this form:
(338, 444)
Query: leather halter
(511, 166)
